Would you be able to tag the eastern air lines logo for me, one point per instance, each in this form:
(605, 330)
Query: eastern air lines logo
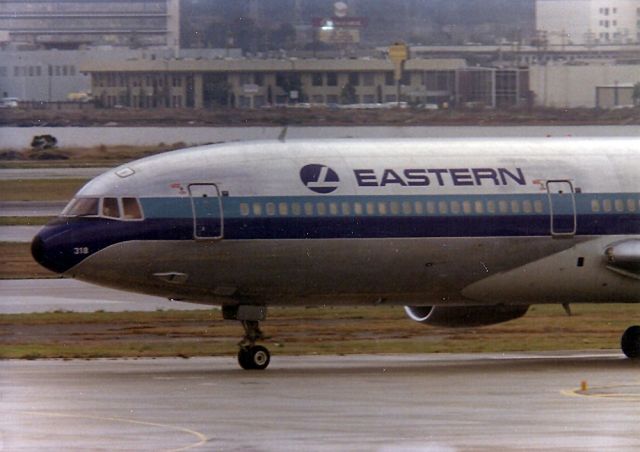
(319, 178)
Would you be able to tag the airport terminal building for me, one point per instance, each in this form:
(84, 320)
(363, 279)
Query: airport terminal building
(246, 83)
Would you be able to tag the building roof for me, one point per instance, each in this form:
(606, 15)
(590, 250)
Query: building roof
(274, 65)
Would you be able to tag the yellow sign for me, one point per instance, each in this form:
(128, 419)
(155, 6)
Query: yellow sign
(398, 52)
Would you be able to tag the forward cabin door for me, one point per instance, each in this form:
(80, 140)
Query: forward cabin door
(562, 208)
(207, 211)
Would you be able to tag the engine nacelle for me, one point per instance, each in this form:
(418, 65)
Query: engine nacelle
(464, 316)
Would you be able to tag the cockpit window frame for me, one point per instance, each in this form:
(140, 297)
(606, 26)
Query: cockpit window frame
(100, 208)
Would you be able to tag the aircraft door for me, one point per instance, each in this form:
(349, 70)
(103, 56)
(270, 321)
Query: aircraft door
(207, 211)
(562, 208)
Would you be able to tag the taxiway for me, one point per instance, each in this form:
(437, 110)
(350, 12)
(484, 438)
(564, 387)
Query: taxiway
(355, 403)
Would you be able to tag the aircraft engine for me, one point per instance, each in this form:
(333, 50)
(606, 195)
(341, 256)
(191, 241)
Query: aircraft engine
(464, 316)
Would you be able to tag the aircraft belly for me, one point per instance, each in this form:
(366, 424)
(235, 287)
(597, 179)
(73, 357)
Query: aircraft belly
(315, 271)
(578, 274)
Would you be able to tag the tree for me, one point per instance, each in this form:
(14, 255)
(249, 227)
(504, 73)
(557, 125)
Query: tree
(348, 94)
(636, 94)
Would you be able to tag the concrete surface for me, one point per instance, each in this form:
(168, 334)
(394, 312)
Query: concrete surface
(47, 295)
(16, 137)
(49, 173)
(31, 208)
(354, 403)
(21, 234)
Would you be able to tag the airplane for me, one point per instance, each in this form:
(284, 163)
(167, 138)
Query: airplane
(461, 232)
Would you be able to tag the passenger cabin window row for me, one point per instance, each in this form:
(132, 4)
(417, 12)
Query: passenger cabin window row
(127, 209)
(393, 208)
(615, 205)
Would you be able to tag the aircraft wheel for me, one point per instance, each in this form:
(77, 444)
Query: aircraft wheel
(255, 357)
(630, 342)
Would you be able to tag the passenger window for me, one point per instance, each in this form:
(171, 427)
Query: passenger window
(455, 207)
(271, 209)
(308, 208)
(257, 209)
(491, 206)
(515, 206)
(346, 208)
(244, 209)
(503, 206)
(131, 209)
(371, 208)
(296, 209)
(407, 208)
(333, 208)
(419, 207)
(395, 207)
(466, 207)
(526, 206)
(619, 205)
(110, 208)
(595, 205)
(538, 207)
(606, 205)
(382, 208)
(443, 207)
(479, 207)
(357, 208)
(631, 205)
(321, 209)
(431, 207)
(283, 209)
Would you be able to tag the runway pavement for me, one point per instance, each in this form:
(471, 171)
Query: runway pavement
(354, 403)
(31, 208)
(47, 295)
(20, 234)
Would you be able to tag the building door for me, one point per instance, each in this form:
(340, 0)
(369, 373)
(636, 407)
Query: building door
(562, 208)
(207, 211)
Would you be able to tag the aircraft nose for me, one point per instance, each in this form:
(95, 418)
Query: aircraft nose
(39, 252)
(47, 249)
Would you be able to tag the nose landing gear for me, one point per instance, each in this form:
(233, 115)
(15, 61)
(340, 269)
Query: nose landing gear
(630, 342)
(250, 355)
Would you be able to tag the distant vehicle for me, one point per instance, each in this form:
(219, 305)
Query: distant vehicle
(80, 97)
(9, 102)
(462, 232)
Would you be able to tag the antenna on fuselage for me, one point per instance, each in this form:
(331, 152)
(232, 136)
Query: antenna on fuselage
(283, 134)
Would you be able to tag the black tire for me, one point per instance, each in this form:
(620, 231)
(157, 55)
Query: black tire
(259, 357)
(630, 342)
(244, 358)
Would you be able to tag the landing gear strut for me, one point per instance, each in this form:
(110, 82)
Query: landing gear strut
(250, 355)
(630, 342)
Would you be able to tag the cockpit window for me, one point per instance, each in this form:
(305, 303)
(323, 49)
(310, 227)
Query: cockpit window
(82, 207)
(110, 208)
(114, 208)
(131, 209)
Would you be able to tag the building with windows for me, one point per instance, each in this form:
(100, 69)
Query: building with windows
(54, 75)
(244, 83)
(72, 24)
(588, 22)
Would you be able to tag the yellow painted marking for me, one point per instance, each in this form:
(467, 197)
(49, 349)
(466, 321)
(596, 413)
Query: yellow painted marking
(202, 439)
(593, 392)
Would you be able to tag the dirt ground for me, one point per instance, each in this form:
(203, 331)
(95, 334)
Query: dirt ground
(315, 117)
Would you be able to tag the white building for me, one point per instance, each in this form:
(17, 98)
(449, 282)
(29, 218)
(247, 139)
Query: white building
(588, 22)
(52, 75)
(72, 24)
(575, 86)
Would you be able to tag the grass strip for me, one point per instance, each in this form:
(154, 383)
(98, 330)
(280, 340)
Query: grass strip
(39, 189)
(323, 330)
(17, 263)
